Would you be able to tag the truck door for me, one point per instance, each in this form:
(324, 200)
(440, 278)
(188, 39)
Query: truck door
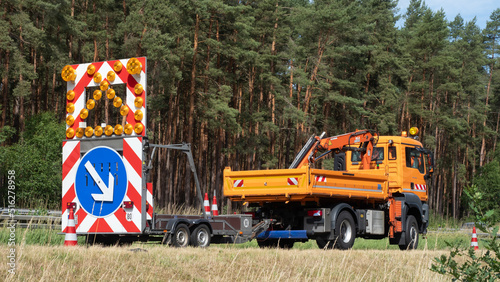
(414, 172)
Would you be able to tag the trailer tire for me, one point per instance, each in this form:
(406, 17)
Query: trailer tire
(345, 231)
(181, 236)
(201, 236)
(411, 234)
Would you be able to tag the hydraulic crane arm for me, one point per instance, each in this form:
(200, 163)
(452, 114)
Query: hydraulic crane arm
(360, 140)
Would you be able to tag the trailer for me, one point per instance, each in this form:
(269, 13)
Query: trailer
(105, 175)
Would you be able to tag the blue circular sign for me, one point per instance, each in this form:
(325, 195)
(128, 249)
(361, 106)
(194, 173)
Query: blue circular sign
(101, 181)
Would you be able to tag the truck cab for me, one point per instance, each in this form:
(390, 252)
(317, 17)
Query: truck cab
(404, 160)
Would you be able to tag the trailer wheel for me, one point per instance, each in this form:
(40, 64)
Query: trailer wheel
(201, 236)
(411, 234)
(345, 231)
(181, 236)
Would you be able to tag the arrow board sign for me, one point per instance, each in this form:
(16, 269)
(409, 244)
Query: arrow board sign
(101, 181)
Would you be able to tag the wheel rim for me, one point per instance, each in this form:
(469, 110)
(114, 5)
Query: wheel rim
(345, 231)
(413, 235)
(202, 237)
(181, 237)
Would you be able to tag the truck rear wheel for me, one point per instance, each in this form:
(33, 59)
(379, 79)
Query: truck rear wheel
(411, 234)
(201, 236)
(345, 231)
(181, 236)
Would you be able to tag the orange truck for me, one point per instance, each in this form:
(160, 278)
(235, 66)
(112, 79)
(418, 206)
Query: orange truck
(376, 188)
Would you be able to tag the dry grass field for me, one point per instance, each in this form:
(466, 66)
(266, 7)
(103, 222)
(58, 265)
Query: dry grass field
(149, 262)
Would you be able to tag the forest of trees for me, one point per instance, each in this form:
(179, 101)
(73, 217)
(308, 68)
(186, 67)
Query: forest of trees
(247, 82)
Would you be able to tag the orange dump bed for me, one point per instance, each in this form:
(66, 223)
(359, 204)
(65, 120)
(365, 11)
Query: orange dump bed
(303, 184)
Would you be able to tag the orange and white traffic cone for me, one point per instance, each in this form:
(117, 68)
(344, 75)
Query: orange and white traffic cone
(473, 241)
(206, 204)
(215, 209)
(70, 237)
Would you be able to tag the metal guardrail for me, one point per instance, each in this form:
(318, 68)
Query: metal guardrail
(24, 218)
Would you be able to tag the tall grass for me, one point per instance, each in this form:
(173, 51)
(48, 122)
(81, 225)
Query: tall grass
(162, 263)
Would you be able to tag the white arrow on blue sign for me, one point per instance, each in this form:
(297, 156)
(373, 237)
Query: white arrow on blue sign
(101, 181)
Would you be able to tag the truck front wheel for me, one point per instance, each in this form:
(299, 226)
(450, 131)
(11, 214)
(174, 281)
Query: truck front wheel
(345, 231)
(411, 234)
(181, 235)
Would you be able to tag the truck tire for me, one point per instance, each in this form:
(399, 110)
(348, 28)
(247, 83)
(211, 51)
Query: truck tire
(267, 243)
(181, 235)
(323, 243)
(286, 244)
(201, 236)
(345, 231)
(411, 234)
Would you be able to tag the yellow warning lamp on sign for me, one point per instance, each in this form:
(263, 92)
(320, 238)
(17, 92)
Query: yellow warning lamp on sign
(117, 102)
(117, 66)
(138, 128)
(98, 131)
(91, 69)
(97, 77)
(110, 93)
(108, 130)
(104, 85)
(111, 76)
(89, 131)
(84, 114)
(68, 73)
(70, 108)
(138, 115)
(70, 95)
(124, 110)
(128, 129)
(70, 120)
(138, 89)
(70, 133)
(79, 132)
(97, 95)
(138, 102)
(118, 129)
(90, 104)
(134, 66)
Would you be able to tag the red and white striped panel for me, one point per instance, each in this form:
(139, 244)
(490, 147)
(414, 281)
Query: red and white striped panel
(118, 222)
(420, 187)
(293, 181)
(83, 80)
(238, 183)
(320, 178)
(70, 161)
(149, 200)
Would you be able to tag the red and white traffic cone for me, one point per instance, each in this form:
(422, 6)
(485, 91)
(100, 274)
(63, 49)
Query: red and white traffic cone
(70, 237)
(206, 204)
(215, 209)
(473, 241)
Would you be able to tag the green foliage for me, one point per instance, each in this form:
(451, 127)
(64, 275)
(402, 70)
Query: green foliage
(37, 163)
(484, 266)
